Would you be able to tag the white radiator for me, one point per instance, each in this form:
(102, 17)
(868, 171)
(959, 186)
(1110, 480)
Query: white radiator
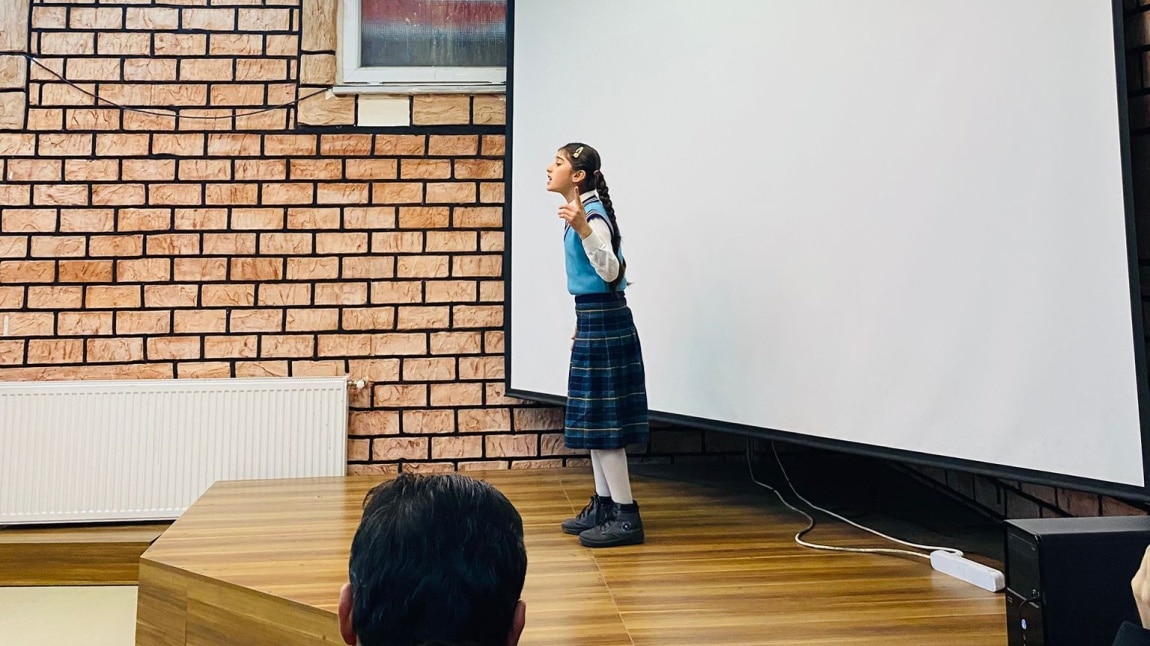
(145, 450)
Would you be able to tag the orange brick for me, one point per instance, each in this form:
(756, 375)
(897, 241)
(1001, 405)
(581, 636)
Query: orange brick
(13, 246)
(178, 45)
(312, 268)
(27, 271)
(397, 193)
(312, 320)
(425, 422)
(17, 144)
(477, 316)
(179, 145)
(180, 244)
(149, 122)
(201, 219)
(149, 69)
(200, 321)
(490, 265)
(150, 322)
(55, 351)
(372, 169)
(265, 320)
(451, 193)
(229, 194)
(453, 145)
(498, 446)
(206, 69)
(86, 18)
(289, 145)
(151, 170)
(491, 193)
(156, 296)
(261, 69)
(456, 394)
(369, 318)
(229, 244)
(287, 346)
(267, 119)
(144, 219)
(28, 170)
(263, 20)
(478, 169)
(451, 291)
(282, 45)
(280, 294)
(484, 420)
(94, 69)
(297, 193)
(424, 217)
(481, 368)
(118, 195)
(176, 348)
(228, 295)
(397, 242)
(152, 19)
(28, 220)
(11, 297)
(539, 419)
(442, 369)
(144, 270)
(341, 293)
(46, 119)
(209, 19)
(91, 170)
(341, 193)
(317, 168)
(233, 145)
(341, 243)
(426, 266)
(491, 241)
(286, 244)
(254, 219)
(30, 323)
(312, 218)
(494, 145)
(396, 292)
(358, 450)
(50, 17)
(257, 269)
(371, 267)
(400, 145)
(198, 270)
(204, 370)
(369, 217)
(15, 195)
(328, 368)
(113, 296)
(85, 271)
(423, 318)
(65, 145)
(392, 449)
(58, 246)
(260, 169)
(102, 246)
(344, 345)
(67, 43)
(236, 45)
(262, 369)
(55, 297)
(121, 144)
(175, 194)
(425, 169)
(346, 145)
(218, 347)
(493, 342)
(373, 422)
(118, 350)
(440, 109)
(205, 169)
(12, 353)
(457, 241)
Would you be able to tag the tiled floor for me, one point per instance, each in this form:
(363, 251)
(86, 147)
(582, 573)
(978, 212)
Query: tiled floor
(91, 616)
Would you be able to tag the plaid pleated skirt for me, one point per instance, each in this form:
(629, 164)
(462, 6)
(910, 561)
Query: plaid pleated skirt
(606, 387)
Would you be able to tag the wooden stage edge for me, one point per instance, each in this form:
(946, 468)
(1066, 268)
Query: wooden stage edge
(261, 562)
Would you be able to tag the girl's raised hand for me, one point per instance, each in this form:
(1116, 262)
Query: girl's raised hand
(575, 216)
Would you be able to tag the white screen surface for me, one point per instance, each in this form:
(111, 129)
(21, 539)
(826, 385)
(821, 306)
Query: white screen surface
(892, 222)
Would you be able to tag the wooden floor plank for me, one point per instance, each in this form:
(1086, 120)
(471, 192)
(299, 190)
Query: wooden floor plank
(719, 567)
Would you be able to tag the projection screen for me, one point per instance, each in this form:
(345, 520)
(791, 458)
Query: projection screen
(892, 226)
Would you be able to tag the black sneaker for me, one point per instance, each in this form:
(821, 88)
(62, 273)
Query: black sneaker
(619, 528)
(593, 514)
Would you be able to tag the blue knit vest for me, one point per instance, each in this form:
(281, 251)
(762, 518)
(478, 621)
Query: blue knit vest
(581, 276)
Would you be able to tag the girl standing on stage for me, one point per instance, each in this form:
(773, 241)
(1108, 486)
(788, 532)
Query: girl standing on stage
(606, 391)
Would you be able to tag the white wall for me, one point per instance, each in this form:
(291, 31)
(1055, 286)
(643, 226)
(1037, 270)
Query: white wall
(894, 222)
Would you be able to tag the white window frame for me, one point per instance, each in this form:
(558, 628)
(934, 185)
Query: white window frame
(354, 78)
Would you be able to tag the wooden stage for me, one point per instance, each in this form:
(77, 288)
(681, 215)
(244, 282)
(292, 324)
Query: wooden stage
(261, 562)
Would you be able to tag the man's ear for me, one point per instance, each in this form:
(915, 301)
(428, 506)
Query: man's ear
(345, 626)
(517, 622)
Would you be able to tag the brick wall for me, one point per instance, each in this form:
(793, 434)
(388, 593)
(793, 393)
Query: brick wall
(213, 231)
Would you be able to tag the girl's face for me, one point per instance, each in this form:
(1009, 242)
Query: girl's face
(561, 178)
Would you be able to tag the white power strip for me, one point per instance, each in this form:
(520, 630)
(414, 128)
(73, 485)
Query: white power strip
(967, 570)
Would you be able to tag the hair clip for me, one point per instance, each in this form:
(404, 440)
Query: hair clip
(578, 151)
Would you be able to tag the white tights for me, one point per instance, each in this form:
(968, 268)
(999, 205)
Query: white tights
(611, 477)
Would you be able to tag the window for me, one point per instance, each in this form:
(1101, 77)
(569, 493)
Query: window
(422, 45)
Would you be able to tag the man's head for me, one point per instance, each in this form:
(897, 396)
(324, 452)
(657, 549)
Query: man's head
(436, 560)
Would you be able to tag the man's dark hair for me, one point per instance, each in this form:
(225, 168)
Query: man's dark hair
(436, 559)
